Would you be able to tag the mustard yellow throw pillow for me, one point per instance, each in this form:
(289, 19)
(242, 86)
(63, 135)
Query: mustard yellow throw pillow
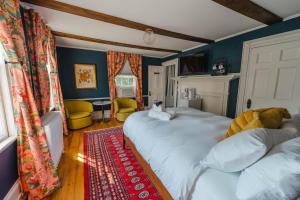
(260, 118)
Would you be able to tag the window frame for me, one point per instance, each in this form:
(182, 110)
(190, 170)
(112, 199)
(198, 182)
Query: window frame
(6, 105)
(3, 121)
(127, 87)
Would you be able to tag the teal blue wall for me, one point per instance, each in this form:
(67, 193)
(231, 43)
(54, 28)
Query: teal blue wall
(67, 57)
(8, 169)
(231, 50)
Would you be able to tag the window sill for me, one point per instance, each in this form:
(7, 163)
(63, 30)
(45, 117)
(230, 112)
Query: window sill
(6, 143)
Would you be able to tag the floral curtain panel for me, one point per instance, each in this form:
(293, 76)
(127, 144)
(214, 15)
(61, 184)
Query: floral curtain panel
(115, 63)
(135, 62)
(36, 33)
(36, 170)
(58, 97)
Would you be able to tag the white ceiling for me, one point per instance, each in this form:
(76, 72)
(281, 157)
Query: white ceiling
(202, 18)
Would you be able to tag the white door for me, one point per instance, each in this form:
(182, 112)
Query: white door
(170, 85)
(273, 77)
(156, 84)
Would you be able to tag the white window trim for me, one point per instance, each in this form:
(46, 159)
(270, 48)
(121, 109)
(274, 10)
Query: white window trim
(52, 103)
(8, 109)
(127, 87)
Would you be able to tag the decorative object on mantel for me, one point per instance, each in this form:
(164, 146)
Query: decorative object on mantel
(220, 68)
(189, 93)
(149, 36)
(85, 76)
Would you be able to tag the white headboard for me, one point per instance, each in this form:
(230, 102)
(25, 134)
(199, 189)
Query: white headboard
(213, 90)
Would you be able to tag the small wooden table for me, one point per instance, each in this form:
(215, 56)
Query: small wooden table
(102, 104)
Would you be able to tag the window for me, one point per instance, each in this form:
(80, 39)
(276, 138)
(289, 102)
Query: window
(126, 82)
(7, 126)
(52, 105)
(3, 123)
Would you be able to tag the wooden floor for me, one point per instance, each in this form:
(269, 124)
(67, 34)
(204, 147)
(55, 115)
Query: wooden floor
(70, 168)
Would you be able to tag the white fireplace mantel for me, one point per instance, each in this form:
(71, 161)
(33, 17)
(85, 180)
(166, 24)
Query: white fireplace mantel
(213, 90)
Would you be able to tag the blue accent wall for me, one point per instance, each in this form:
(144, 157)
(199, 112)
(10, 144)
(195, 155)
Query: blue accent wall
(67, 57)
(8, 169)
(230, 50)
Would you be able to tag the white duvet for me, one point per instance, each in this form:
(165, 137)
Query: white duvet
(174, 148)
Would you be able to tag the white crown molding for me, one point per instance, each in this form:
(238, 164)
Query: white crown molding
(200, 45)
(240, 33)
(14, 192)
(172, 54)
(291, 17)
(101, 50)
(78, 47)
(236, 34)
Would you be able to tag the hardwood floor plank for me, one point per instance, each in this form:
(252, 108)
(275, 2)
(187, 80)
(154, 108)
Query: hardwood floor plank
(70, 169)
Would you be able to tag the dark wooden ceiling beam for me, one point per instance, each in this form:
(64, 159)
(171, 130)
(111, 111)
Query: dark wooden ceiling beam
(250, 9)
(75, 10)
(96, 40)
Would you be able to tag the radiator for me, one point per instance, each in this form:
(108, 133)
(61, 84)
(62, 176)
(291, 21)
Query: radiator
(52, 123)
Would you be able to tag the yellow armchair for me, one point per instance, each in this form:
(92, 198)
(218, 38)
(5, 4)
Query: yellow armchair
(123, 107)
(79, 113)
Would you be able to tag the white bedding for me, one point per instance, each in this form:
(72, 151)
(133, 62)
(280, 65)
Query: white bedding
(174, 148)
(216, 185)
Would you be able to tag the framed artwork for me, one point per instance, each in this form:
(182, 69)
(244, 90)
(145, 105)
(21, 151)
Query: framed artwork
(85, 76)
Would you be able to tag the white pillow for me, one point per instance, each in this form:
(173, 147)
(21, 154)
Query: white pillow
(292, 125)
(242, 150)
(276, 176)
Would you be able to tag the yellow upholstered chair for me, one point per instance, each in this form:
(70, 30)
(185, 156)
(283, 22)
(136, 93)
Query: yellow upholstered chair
(123, 107)
(79, 113)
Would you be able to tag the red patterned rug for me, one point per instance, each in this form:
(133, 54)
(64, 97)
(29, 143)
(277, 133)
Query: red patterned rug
(111, 172)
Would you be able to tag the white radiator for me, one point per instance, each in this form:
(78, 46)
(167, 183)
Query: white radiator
(52, 123)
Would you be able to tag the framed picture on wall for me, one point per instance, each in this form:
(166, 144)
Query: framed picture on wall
(85, 76)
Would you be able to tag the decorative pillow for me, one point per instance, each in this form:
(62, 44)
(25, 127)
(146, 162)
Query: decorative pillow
(260, 118)
(246, 120)
(242, 150)
(239, 151)
(272, 117)
(276, 176)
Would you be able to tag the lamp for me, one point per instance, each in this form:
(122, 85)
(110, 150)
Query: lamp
(149, 36)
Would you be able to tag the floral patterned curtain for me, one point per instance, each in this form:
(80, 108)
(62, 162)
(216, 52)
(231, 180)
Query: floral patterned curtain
(135, 62)
(58, 97)
(36, 170)
(37, 44)
(115, 63)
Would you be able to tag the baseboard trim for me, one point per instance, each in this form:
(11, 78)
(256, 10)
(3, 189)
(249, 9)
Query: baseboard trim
(14, 192)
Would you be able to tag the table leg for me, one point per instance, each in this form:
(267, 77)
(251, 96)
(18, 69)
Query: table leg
(102, 113)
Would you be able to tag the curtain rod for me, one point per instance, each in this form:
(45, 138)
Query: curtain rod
(7, 62)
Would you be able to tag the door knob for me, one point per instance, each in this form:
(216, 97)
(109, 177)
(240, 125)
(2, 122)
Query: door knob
(249, 102)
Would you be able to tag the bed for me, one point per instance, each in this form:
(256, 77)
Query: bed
(174, 148)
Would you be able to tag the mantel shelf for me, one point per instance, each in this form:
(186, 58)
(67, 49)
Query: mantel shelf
(229, 77)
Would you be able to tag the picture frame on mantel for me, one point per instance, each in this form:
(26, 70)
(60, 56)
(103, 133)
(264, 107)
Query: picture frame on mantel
(85, 76)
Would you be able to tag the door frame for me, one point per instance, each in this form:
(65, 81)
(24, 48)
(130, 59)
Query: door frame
(248, 46)
(176, 63)
(163, 73)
